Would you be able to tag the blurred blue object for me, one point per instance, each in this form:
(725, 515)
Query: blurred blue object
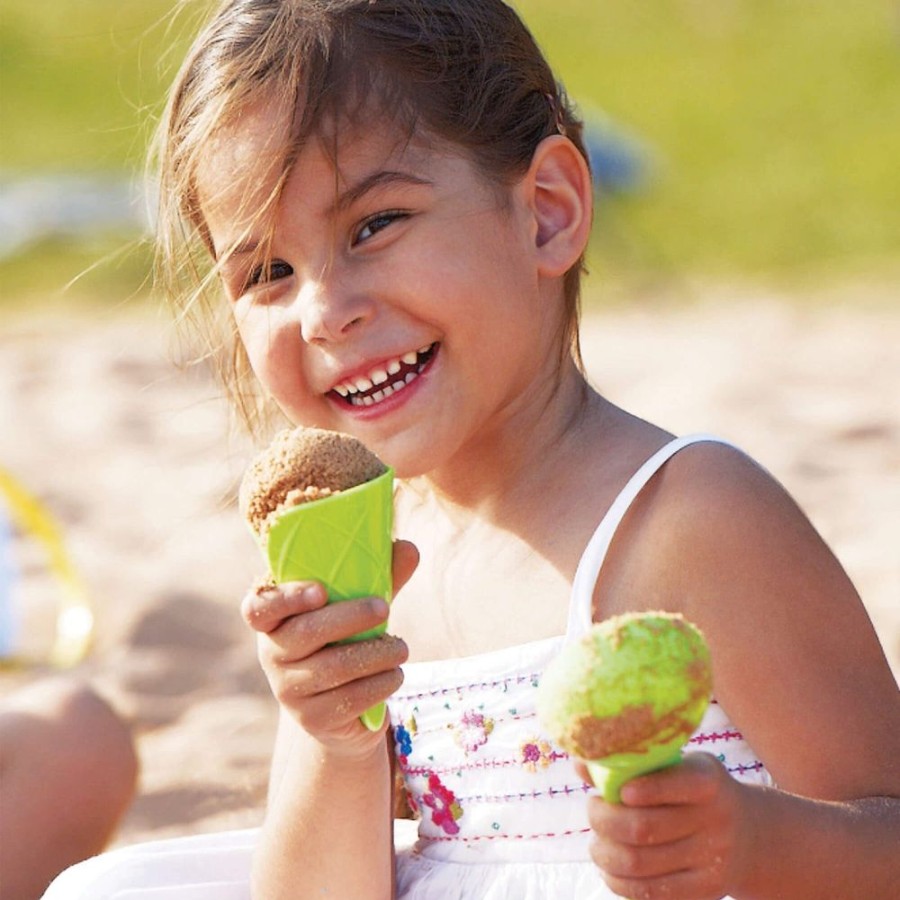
(620, 162)
(38, 207)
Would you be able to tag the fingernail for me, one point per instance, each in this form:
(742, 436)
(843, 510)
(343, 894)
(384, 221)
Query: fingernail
(313, 593)
(380, 607)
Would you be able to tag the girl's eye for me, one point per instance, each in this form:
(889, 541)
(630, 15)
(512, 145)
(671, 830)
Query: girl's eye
(377, 223)
(270, 271)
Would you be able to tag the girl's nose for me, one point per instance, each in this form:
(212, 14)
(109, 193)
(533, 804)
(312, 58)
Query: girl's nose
(328, 310)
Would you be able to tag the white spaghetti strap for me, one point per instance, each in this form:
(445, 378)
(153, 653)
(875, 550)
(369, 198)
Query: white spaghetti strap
(581, 601)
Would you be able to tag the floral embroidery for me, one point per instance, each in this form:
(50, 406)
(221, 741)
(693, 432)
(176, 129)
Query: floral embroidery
(472, 730)
(403, 740)
(445, 809)
(536, 753)
(403, 735)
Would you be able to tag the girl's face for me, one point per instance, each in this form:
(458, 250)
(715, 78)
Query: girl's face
(401, 301)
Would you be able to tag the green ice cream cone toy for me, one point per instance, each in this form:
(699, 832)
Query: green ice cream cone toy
(344, 542)
(628, 696)
(321, 505)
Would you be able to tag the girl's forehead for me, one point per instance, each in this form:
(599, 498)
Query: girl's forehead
(238, 175)
(245, 160)
(238, 169)
(250, 147)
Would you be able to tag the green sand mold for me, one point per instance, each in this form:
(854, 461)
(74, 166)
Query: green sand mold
(343, 541)
(627, 697)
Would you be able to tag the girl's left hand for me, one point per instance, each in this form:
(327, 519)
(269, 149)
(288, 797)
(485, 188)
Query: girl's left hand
(679, 834)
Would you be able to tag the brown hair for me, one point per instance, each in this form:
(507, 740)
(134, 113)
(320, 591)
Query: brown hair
(465, 71)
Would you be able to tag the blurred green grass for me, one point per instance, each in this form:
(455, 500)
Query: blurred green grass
(774, 128)
(777, 123)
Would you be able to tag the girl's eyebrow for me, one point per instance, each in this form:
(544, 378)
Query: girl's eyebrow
(375, 180)
(245, 247)
(226, 255)
(344, 200)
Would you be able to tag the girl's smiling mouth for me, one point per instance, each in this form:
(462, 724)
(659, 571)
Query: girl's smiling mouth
(386, 379)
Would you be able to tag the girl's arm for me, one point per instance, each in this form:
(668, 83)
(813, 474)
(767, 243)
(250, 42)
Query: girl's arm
(328, 827)
(798, 668)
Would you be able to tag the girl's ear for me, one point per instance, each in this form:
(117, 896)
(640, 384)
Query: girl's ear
(561, 198)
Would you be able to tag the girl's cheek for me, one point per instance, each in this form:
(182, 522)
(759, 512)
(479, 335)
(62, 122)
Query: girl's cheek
(256, 350)
(264, 340)
(275, 372)
(276, 360)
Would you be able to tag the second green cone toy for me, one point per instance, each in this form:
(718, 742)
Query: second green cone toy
(627, 696)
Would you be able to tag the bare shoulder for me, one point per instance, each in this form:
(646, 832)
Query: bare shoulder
(796, 661)
(713, 514)
(712, 498)
(710, 473)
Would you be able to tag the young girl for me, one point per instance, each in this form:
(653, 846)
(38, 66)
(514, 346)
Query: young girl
(394, 197)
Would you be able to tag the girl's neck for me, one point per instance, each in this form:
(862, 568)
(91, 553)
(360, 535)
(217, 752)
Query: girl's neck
(529, 450)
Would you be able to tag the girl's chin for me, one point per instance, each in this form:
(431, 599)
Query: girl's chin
(410, 456)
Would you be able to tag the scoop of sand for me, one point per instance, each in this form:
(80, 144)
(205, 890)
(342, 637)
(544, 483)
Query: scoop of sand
(302, 465)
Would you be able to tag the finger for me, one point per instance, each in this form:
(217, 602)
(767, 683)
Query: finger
(687, 884)
(266, 608)
(349, 702)
(405, 561)
(342, 705)
(650, 826)
(299, 636)
(630, 861)
(581, 770)
(694, 780)
(340, 664)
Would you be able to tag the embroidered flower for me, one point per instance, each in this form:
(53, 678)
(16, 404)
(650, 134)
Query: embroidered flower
(536, 753)
(403, 735)
(445, 809)
(403, 740)
(472, 730)
(412, 803)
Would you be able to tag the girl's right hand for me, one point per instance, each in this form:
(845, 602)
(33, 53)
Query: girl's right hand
(325, 686)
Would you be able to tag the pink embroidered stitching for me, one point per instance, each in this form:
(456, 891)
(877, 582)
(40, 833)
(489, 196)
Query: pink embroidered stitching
(743, 768)
(442, 692)
(507, 837)
(710, 736)
(565, 790)
(553, 756)
(496, 719)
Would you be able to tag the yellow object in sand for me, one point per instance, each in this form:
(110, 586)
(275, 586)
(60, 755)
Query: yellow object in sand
(75, 617)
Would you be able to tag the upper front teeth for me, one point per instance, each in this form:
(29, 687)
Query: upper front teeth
(380, 375)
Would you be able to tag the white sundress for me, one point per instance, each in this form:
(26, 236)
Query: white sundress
(501, 811)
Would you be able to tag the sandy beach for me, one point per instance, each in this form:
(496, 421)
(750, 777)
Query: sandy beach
(138, 464)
